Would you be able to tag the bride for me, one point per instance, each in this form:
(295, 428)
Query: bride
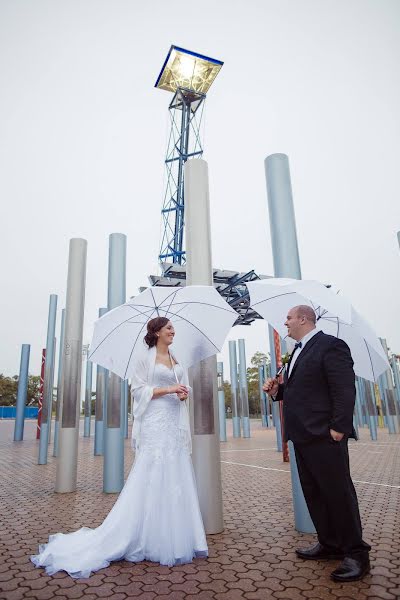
(156, 516)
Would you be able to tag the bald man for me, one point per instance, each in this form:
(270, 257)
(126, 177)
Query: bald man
(318, 396)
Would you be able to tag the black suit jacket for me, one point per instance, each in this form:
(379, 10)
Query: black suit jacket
(320, 393)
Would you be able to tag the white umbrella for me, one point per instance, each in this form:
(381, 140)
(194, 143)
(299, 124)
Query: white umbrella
(273, 304)
(201, 318)
(281, 294)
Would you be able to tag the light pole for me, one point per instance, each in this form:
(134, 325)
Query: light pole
(188, 76)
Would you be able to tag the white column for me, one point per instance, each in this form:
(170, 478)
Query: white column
(204, 407)
(71, 370)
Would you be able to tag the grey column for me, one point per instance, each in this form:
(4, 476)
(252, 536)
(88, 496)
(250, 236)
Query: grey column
(275, 405)
(221, 402)
(88, 398)
(48, 382)
(113, 466)
(22, 393)
(234, 388)
(59, 385)
(67, 462)
(125, 395)
(393, 411)
(100, 403)
(370, 403)
(286, 264)
(396, 376)
(263, 403)
(358, 408)
(204, 408)
(244, 391)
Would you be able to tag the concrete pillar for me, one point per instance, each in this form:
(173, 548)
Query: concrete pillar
(234, 389)
(370, 402)
(221, 402)
(393, 410)
(396, 377)
(204, 408)
(286, 264)
(67, 462)
(100, 403)
(276, 417)
(244, 392)
(263, 397)
(114, 433)
(22, 393)
(48, 382)
(59, 385)
(88, 398)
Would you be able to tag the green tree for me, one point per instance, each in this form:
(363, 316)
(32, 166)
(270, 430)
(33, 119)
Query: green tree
(9, 389)
(260, 358)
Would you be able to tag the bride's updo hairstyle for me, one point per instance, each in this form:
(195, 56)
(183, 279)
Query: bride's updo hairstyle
(153, 326)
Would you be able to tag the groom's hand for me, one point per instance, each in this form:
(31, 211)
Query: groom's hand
(271, 386)
(336, 436)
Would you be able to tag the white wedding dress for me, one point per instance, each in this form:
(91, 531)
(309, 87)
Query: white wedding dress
(156, 516)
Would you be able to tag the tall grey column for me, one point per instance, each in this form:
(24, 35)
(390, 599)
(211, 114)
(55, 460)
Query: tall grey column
(275, 405)
(204, 408)
(67, 461)
(48, 382)
(234, 388)
(125, 395)
(391, 403)
(113, 465)
(88, 398)
(396, 376)
(263, 397)
(244, 391)
(59, 385)
(369, 390)
(22, 393)
(221, 402)
(286, 264)
(100, 403)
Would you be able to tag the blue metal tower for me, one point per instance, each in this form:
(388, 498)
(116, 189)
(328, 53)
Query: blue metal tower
(189, 76)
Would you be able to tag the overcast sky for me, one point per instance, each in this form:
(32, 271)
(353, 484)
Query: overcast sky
(83, 137)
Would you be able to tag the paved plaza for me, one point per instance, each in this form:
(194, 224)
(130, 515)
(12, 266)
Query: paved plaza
(253, 558)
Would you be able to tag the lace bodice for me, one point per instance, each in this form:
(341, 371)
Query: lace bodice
(164, 377)
(160, 433)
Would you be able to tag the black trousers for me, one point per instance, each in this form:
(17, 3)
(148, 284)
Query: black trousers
(329, 492)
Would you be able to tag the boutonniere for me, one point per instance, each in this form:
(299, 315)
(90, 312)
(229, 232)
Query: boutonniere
(285, 358)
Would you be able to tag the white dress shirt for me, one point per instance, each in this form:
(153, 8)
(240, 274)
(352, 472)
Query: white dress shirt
(303, 341)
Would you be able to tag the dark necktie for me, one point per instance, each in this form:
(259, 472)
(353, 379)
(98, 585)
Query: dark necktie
(298, 345)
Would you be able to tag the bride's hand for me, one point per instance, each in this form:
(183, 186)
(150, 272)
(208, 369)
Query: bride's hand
(183, 396)
(178, 389)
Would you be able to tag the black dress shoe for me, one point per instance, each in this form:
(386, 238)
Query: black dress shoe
(351, 569)
(318, 552)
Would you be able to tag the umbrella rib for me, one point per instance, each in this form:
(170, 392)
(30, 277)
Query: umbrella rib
(273, 298)
(155, 305)
(199, 330)
(370, 359)
(134, 346)
(108, 335)
(173, 296)
(229, 309)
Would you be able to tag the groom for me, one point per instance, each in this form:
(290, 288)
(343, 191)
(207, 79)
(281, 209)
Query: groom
(318, 396)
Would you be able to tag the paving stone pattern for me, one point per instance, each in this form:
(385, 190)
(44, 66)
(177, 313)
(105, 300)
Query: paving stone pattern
(253, 558)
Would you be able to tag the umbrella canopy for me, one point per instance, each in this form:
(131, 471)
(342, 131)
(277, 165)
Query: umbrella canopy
(201, 318)
(281, 294)
(273, 303)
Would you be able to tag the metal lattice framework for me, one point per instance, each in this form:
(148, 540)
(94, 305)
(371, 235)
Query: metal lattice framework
(186, 111)
(230, 284)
